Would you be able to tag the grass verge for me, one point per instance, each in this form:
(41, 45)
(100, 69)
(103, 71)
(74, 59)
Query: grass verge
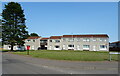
(70, 55)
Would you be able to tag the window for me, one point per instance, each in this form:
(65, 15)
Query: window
(103, 46)
(70, 39)
(28, 40)
(70, 45)
(9, 47)
(50, 40)
(33, 40)
(103, 39)
(86, 39)
(94, 39)
(57, 46)
(86, 46)
(78, 39)
(57, 40)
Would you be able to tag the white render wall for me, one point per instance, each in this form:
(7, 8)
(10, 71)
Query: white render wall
(33, 45)
(78, 45)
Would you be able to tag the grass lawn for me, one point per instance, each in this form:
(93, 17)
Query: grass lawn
(70, 55)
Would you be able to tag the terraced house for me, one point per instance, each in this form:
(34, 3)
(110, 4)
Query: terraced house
(79, 42)
(32, 43)
(95, 42)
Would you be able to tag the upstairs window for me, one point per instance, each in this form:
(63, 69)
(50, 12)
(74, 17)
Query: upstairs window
(50, 40)
(86, 39)
(103, 39)
(33, 40)
(57, 40)
(28, 40)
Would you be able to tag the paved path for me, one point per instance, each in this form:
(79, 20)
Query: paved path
(17, 64)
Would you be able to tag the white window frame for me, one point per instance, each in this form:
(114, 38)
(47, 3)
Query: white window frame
(105, 47)
(57, 41)
(103, 39)
(86, 48)
(86, 39)
(57, 48)
(94, 39)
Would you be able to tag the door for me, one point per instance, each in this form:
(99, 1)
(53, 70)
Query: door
(28, 47)
(94, 48)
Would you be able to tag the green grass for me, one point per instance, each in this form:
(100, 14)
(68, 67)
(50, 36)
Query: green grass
(70, 55)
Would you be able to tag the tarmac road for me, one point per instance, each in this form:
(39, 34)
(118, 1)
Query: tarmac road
(17, 64)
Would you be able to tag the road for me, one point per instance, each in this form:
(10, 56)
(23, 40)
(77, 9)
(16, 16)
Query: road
(17, 64)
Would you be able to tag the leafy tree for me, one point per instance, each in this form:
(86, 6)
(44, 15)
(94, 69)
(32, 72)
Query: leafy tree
(34, 34)
(13, 25)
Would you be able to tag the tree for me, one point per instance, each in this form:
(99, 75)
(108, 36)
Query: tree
(33, 34)
(13, 25)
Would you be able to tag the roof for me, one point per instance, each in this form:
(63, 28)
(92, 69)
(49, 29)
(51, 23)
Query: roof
(33, 37)
(116, 42)
(89, 35)
(55, 37)
(44, 38)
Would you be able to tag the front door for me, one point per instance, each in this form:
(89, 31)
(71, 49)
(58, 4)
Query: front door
(94, 48)
(28, 47)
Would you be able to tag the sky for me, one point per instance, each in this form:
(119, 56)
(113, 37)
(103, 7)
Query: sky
(65, 18)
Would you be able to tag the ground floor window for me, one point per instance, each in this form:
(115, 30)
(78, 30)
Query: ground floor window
(86, 46)
(9, 47)
(57, 46)
(70, 45)
(103, 46)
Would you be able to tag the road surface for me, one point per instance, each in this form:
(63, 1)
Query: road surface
(17, 64)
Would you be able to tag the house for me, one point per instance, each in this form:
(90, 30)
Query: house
(114, 46)
(54, 43)
(43, 44)
(95, 42)
(32, 43)
(90, 42)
